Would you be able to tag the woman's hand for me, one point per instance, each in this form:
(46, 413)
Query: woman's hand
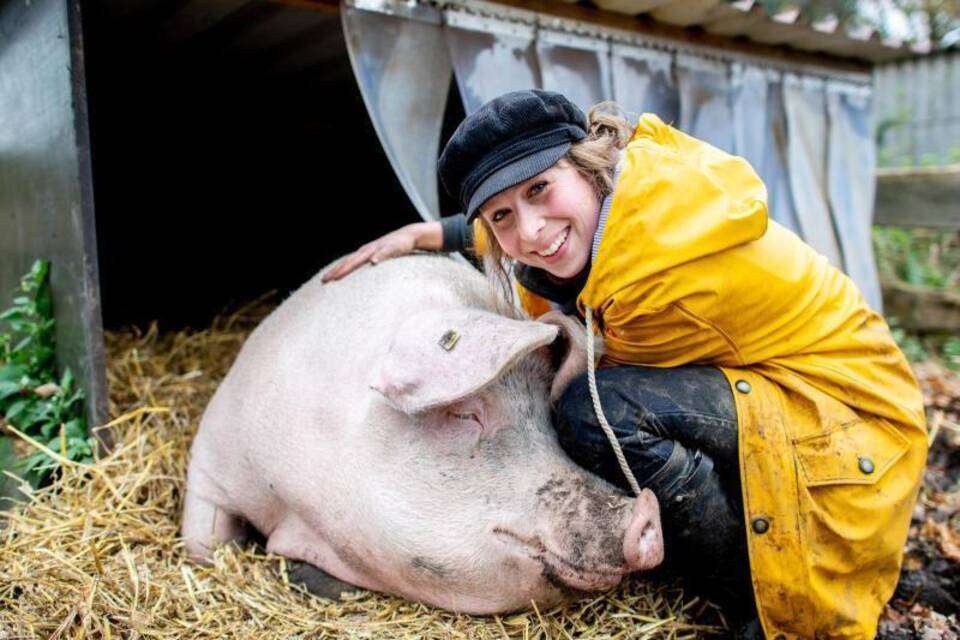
(402, 241)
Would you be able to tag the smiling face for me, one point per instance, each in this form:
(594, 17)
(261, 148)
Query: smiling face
(547, 221)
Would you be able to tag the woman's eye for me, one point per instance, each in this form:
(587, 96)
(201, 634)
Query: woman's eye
(538, 188)
(498, 216)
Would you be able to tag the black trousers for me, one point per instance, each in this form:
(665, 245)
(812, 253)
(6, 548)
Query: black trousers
(678, 431)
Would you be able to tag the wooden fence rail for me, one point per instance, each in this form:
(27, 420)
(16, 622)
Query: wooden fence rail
(919, 197)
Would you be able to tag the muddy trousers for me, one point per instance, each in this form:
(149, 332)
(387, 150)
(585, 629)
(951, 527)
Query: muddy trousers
(678, 431)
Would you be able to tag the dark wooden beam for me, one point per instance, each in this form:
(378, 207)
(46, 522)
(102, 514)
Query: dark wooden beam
(326, 6)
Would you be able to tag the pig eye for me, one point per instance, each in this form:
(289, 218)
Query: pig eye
(466, 416)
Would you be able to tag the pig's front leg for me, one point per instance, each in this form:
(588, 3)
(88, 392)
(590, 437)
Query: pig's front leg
(306, 551)
(317, 581)
(206, 524)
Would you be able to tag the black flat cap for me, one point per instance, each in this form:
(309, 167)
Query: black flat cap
(506, 141)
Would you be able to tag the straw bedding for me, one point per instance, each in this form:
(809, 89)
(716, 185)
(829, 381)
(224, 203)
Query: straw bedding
(96, 555)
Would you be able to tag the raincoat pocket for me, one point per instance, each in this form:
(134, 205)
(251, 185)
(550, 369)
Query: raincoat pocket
(855, 452)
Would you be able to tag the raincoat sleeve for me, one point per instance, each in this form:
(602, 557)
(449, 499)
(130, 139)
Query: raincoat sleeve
(670, 336)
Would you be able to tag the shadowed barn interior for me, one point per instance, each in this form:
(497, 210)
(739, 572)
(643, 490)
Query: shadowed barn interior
(228, 161)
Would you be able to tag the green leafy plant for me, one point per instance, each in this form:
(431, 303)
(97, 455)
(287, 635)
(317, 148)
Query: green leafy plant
(33, 399)
(923, 257)
(951, 352)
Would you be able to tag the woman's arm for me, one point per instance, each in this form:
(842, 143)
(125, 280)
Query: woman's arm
(449, 234)
(400, 242)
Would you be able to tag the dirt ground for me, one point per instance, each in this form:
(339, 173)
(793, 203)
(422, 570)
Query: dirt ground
(926, 605)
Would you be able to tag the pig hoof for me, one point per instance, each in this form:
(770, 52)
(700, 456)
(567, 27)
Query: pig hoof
(317, 581)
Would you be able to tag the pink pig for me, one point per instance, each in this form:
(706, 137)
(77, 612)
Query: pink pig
(393, 429)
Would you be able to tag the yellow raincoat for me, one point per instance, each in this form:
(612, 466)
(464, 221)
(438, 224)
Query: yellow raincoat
(832, 435)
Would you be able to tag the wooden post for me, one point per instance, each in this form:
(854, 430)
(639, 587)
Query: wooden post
(46, 193)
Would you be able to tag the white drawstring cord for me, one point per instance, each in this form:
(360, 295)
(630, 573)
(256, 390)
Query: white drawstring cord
(591, 378)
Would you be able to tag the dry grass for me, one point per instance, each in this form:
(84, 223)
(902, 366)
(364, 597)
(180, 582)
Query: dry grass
(96, 555)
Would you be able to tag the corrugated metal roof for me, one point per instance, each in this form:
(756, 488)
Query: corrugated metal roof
(747, 19)
(739, 21)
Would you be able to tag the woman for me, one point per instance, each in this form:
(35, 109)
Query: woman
(756, 394)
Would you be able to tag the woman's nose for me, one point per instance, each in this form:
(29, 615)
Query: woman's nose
(530, 225)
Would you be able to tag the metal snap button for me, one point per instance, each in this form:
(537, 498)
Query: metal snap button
(866, 465)
(760, 525)
(743, 386)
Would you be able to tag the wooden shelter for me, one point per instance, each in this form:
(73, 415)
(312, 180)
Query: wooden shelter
(174, 156)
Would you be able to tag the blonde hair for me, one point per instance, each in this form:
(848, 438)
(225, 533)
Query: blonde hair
(594, 157)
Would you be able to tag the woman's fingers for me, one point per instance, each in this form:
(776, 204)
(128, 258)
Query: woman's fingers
(394, 244)
(349, 263)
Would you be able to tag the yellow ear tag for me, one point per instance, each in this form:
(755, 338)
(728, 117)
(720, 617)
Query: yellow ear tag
(449, 340)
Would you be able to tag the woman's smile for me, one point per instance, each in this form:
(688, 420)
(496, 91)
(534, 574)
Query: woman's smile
(553, 250)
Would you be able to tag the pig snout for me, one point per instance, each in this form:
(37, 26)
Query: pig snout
(643, 543)
(587, 538)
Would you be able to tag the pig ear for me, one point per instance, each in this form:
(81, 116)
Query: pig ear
(439, 357)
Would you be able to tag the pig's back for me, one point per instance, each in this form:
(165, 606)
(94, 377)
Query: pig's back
(340, 327)
(304, 372)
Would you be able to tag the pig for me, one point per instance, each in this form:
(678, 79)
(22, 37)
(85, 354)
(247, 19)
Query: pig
(393, 429)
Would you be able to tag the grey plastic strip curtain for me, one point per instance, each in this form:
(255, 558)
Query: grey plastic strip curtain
(805, 105)
(812, 146)
(577, 66)
(705, 104)
(643, 82)
(851, 183)
(490, 57)
(760, 136)
(403, 71)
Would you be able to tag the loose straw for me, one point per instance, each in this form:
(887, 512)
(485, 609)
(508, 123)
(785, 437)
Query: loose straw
(97, 554)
